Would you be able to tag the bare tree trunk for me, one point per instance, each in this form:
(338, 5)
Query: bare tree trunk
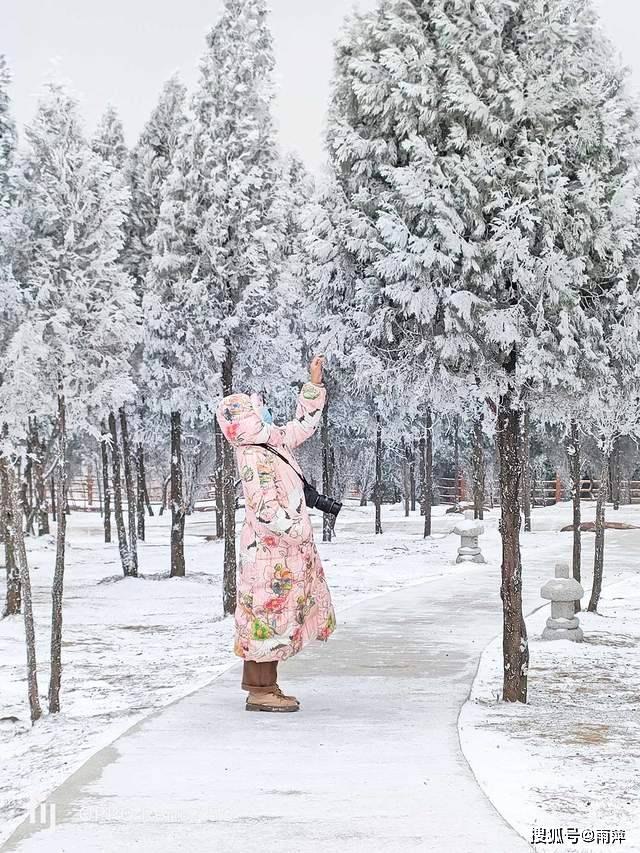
(598, 560)
(412, 475)
(58, 573)
(218, 479)
(131, 492)
(98, 473)
(54, 511)
(515, 644)
(117, 499)
(478, 469)
(377, 490)
(147, 502)
(106, 489)
(526, 471)
(406, 489)
(456, 459)
(165, 495)
(575, 471)
(18, 547)
(141, 488)
(13, 592)
(39, 484)
(178, 514)
(327, 530)
(615, 471)
(27, 486)
(229, 587)
(421, 471)
(428, 474)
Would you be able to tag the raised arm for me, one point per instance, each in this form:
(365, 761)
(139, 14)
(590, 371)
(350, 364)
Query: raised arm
(311, 402)
(277, 515)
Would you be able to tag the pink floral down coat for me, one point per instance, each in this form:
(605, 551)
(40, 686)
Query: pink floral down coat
(283, 598)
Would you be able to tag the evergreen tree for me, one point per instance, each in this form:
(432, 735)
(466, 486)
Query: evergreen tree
(18, 585)
(71, 354)
(210, 283)
(108, 140)
(147, 169)
(487, 153)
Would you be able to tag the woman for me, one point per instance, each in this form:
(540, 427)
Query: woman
(283, 598)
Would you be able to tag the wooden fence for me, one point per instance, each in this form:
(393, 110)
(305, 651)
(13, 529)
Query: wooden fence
(84, 494)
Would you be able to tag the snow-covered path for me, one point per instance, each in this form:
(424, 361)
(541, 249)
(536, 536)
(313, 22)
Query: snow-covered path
(372, 761)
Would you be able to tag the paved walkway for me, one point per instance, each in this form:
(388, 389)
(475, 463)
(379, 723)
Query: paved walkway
(372, 762)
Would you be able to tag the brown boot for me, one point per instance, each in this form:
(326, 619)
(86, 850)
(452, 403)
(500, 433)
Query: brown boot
(279, 692)
(271, 702)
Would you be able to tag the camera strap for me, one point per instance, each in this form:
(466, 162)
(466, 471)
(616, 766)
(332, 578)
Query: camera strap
(280, 456)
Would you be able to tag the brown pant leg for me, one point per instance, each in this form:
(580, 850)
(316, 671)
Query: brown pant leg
(259, 677)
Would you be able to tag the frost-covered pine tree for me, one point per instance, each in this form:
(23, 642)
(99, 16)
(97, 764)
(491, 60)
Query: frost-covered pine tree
(147, 169)
(216, 245)
(10, 309)
(108, 140)
(109, 143)
(18, 581)
(487, 151)
(70, 356)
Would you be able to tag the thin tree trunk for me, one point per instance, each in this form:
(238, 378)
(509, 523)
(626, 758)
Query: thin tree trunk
(428, 474)
(456, 458)
(526, 471)
(54, 511)
(229, 503)
(98, 473)
(106, 489)
(165, 495)
(178, 514)
(117, 498)
(377, 491)
(131, 492)
(514, 643)
(406, 491)
(326, 471)
(13, 592)
(412, 475)
(218, 479)
(147, 502)
(615, 468)
(141, 489)
(58, 573)
(39, 484)
(478, 469)
(598, 560)
(27, 485)
(575, 472)
(421, 471)
(18, 547)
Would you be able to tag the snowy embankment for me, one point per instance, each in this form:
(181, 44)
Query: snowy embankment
(131, 646)
(569, 760)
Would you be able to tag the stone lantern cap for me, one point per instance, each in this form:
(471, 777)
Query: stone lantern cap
(469, 526)
(562, 587)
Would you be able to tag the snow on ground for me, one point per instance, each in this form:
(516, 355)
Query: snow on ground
(133, 645)
(569, 760)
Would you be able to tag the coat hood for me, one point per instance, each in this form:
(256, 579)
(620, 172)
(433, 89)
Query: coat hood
(240, 419)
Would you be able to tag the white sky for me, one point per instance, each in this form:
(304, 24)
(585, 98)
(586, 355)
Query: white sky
(121, 51)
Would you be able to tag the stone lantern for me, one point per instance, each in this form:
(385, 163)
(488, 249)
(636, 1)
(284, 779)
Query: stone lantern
(468, 531)
(563, 591)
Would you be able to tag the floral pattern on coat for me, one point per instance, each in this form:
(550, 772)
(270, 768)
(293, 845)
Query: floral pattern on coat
(283, 598)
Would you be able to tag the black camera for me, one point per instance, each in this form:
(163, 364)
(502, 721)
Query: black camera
(314, 500)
